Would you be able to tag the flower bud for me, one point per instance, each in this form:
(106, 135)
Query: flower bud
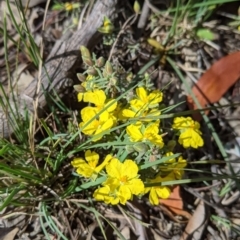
(86, 56)
(100, 62)
(107, 27)
(113, 81)
(140, 147)
(129, 77)
(129, 148)
(155, 44)
(136, 7)
(92, 71)
(68, 6)
(79, 88)
(108, 69)
(81, 77)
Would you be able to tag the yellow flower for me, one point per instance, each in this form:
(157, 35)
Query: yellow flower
(144, 106)
(97, 126)
(87, 84)
(156, 192)
(107, 27)
(148, 115)
(118, 113)
(145, 101)
(139, 133)
(88, 168)
(68, 6)
(173, 166)
(98, 97)
(122, 183)
(190, 133)
(80, 96)
(178, 168)
(104, 194)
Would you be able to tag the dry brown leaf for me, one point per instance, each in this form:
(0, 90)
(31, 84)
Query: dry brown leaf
(9, 234)
(197, 223)
(175, 203)
(174, 200)
(215, 82)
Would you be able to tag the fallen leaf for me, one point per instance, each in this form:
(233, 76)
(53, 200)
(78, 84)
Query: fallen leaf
(215, 82)
(175, 203)
(205, 34)
(173, 216)
(197, 223)
(8, 233)
(174, 200)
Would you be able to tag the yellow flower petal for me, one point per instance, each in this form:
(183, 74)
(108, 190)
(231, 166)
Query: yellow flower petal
(147, 189)
(68, 6)
(156, 140)
(122, 181)
(136, 186)
(153, 197)
(88, 167)
(104, 163)
(155, 97)
(77, 162)
(113, 183)
(124, 194)
(152, 128)
(146, 101)
(182, 163)
(89, 128)
(134, 132)
(100, 131)
(114, 168)
(80, 97)
(112, 200)
(88, 113)
(163, 192)
(128, 113)
(96, 97)
(157, 192)
(85, 171)
(92, 157)
(190, 133)
(137, 133)
(93, 124)
(138, 105)
(190, 138)
(129, 169)
(142, 94)
(82, 167)
(111, 105)
(101, 193)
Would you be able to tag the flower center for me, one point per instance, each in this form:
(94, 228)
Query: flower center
(124, 179)
(92, 164)
(96, 124)
(148, 135)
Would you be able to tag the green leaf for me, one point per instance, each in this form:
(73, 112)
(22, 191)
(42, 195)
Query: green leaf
(90, 184)
(205, 34)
